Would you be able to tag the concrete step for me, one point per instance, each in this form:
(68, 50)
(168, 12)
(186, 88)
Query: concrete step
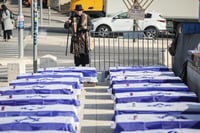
(3, 74)
(96, 110)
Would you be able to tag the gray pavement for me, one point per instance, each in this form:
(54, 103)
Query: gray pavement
(96, 104)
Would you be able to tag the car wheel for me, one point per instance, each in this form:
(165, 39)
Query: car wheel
(151, 32)
(103, 31)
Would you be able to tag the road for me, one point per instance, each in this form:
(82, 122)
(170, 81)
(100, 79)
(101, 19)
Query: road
(50, 44)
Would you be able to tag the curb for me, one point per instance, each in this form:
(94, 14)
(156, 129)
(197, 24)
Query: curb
(45, 28)
(53, 29)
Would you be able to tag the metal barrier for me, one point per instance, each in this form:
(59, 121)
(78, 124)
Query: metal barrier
(130, 49)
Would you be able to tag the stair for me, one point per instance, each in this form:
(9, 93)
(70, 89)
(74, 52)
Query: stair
(3, 73)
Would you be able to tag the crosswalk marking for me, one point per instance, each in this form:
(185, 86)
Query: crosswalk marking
(8, 49)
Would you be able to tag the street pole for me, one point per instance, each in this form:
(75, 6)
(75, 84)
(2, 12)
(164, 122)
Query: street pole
(20, 26)
(49, 15)
(32, 19)
(35, 35)
(59, 5)
(199, 10)
(134, 29)
(41, 12)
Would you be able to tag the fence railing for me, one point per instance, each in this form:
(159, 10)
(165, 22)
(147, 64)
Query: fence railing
(130, 49)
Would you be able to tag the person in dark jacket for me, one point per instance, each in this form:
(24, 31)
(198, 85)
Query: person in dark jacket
(80, 23)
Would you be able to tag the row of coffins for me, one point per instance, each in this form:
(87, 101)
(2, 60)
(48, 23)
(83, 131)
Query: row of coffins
(151, 99)
(44, 102)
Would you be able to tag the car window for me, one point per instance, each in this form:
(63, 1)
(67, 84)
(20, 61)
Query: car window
(161, 16)
(148, 15)
(123, 15)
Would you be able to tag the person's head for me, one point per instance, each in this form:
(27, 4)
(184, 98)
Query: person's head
(78, 9)
(4, 7)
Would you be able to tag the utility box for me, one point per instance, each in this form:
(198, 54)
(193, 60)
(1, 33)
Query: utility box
(15, 69)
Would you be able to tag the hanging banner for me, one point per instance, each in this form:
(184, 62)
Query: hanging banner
(20, 22)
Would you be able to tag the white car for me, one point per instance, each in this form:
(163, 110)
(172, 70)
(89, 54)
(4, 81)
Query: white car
(152, 24)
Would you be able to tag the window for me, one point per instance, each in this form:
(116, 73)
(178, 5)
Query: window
(161, 16)
(148, 15)
(122, 15)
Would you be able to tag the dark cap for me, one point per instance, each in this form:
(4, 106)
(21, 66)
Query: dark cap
(78, 8)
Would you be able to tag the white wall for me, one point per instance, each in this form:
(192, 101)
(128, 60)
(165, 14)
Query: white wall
(168, 8)
(176, 8)
(114, 6)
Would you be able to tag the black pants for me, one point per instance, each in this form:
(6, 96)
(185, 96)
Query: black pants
(82, 59)
(7, 34)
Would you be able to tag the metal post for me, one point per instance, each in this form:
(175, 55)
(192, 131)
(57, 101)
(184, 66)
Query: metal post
(134, 28)
(20, 26)
(199, 10)
(35, 35)
(49, 15)
(59, 8)
(41, 12)
(32, 19)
